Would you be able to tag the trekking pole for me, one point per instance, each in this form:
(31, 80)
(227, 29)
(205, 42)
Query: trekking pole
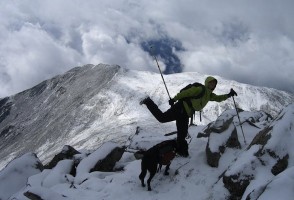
(239, 120)
(161, 74)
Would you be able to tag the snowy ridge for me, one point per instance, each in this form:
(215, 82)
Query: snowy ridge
(90, 105)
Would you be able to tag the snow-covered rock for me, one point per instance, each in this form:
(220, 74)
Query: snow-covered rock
(189, 177)
(67, 152)
(223, 132)
(14, 176)
(103, 159)
(270, 153)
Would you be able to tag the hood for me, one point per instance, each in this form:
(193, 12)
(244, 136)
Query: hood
(208, 79)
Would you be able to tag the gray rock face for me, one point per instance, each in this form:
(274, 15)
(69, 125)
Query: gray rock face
(48, 112)
(5, 107)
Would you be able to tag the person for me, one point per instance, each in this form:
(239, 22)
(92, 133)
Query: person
(183, 105)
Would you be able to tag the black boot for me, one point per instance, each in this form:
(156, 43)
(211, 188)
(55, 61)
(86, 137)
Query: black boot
(145, 100)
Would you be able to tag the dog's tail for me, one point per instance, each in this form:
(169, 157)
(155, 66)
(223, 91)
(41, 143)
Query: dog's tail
(139, 154)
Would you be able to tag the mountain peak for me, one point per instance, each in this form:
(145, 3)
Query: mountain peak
(90, 105)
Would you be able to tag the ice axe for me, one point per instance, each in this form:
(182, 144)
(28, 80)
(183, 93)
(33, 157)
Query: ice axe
(161, 73)
(232, 91)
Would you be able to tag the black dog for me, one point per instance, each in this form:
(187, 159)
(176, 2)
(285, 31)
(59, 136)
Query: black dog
(160, 154)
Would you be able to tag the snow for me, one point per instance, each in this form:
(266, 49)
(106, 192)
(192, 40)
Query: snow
(282, 133)
(281, 187)
(190, 178)
(244, 162)
(58, 174)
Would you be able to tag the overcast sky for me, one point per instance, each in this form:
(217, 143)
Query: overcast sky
(248, 41)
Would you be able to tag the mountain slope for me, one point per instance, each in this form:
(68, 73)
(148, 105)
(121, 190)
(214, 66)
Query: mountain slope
(92, 104)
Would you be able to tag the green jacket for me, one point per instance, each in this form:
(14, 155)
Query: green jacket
(199, 104)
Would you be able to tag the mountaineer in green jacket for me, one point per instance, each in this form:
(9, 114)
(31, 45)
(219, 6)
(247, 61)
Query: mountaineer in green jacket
(183, 105)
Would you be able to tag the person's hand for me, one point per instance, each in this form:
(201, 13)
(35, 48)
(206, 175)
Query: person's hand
(171, 102)
(232, 93)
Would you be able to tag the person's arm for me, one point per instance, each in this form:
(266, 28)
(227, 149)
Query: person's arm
(218, 98)
(223, 97)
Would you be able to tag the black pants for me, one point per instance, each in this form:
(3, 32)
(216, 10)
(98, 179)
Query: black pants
(175, 113)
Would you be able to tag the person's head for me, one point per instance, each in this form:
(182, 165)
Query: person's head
(210, 83)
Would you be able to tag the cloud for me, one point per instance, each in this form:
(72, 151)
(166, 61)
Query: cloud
(250, 41)
(32, 57)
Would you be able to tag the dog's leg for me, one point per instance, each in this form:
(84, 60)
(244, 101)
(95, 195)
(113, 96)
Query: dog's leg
(166, 170)
(143, 173)
(142, 176)
(159, 168)
(152, 172)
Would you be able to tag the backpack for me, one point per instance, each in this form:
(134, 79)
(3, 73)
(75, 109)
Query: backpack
(196, 84)
(188, 99)
(166, 155)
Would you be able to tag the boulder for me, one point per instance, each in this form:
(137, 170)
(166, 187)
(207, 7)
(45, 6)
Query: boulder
(103, 159)
(67, 152)
(222, 134)
(107, 164)
(230, 139)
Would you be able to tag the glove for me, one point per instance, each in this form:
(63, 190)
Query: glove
(171, 102)
(232, 93)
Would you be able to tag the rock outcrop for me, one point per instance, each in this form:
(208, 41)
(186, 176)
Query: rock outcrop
(271, 152)
(223, 132)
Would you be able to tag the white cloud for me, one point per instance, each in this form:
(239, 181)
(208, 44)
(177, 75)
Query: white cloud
(31, 55)
(245, 41)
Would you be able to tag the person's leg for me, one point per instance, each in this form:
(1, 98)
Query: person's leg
(176, 112)
(182, 123)
(168, 116)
